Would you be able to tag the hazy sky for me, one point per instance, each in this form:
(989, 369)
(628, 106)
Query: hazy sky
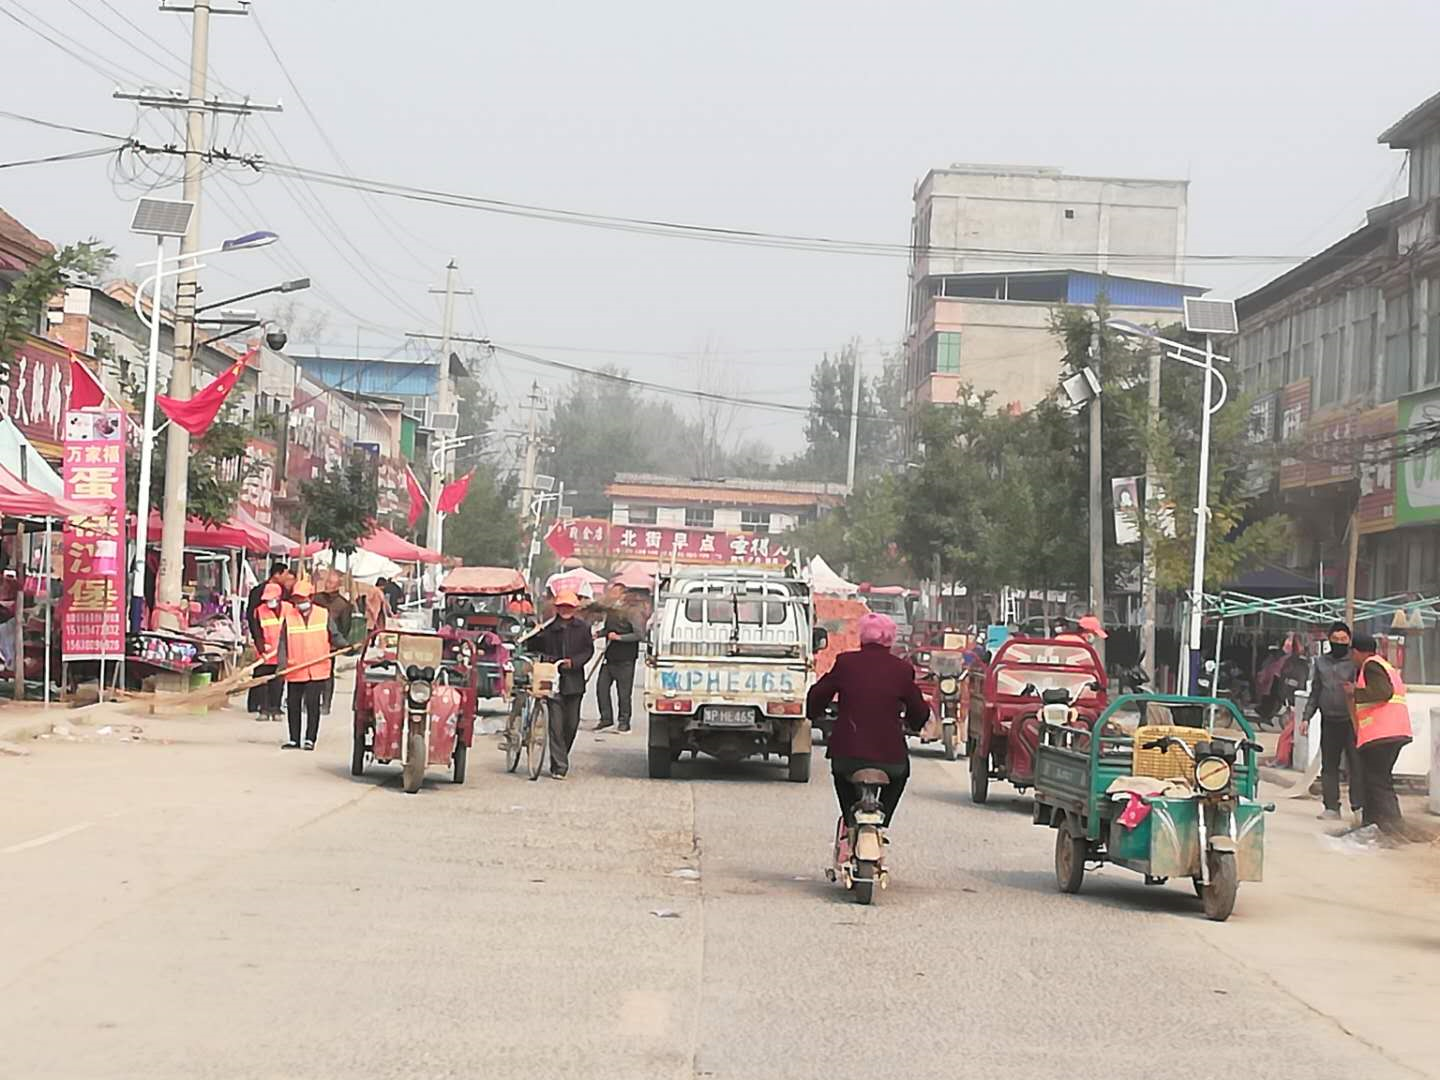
(812, 118)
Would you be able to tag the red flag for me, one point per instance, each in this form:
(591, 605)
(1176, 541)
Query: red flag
(453, 493)
(85, 390)
(417, 498)
(198, 413)
(558, 540)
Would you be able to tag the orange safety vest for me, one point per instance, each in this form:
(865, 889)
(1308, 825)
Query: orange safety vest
(270, 625)
(1382, 719)
(307, 644)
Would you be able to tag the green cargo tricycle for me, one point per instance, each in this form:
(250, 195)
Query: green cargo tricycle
(1152, 786)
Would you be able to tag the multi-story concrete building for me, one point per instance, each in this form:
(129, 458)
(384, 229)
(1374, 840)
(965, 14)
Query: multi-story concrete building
(727, 505)
(1341, 355)
(995, 249)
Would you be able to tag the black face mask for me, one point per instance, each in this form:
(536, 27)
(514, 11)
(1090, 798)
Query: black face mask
(1338, 651)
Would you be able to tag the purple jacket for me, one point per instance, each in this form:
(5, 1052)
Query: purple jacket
(878, 701)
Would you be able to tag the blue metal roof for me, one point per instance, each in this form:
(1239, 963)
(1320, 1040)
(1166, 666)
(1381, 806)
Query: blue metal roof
(1085, 288)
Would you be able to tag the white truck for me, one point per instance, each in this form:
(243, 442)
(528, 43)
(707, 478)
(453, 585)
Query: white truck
(731, 656)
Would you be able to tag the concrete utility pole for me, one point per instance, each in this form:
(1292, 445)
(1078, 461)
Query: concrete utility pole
(444, 471)
(177, 444)
(1097, 499)
(854, 424)
(1148, 571)
(533, 404)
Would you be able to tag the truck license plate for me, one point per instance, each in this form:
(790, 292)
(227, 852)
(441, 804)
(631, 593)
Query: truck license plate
(729, 716)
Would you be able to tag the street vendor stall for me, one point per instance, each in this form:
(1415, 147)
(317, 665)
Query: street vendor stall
(34, 511)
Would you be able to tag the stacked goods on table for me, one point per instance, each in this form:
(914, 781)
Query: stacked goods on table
(840, 616)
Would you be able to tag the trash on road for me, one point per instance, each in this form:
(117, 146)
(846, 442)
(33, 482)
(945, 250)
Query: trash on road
(686, 873)
(1364, 839)
(106, 730)
(665, 913)
(13, 749)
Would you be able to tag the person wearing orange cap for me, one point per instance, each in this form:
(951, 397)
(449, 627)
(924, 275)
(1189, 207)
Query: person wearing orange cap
(1089, 628)
(565, 641)
(307, 640)
(267, 623)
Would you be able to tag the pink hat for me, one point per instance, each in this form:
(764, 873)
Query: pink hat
(1091, 625)
(877, 629)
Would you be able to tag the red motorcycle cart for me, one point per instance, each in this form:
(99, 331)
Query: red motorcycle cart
(1005, 721)
(941, 675)
(415, 696)
(489, 606)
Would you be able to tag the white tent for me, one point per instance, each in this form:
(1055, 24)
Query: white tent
(584, 582)
(366, 565)
(22, 459)
(827, 582)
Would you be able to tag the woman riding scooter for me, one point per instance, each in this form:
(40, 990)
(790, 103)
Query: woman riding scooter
(879, 700)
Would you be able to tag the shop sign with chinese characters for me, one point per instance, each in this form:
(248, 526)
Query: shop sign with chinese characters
(595, 537)
(92, 613)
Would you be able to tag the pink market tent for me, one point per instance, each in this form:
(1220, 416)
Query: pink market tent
(232, 535)
(280, 544)
(637, 575)
(19, 499)
(385, 543)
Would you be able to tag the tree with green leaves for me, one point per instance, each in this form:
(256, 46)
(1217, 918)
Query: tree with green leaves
(827, 424)
(485, 531)
(29, 295)
(1239, 537)
(602, 425)
(340, 504)
(858, 538)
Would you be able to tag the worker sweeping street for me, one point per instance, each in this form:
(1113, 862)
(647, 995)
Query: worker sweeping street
(308, 639)
(267, 623)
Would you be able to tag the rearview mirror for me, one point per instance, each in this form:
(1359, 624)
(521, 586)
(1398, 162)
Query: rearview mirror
(819, 638)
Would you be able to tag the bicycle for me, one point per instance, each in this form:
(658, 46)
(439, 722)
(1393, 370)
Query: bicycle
(528, 726)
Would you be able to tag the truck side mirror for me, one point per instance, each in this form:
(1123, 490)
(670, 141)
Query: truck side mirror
(819, 638)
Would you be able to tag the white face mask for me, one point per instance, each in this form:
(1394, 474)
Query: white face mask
(303, 605)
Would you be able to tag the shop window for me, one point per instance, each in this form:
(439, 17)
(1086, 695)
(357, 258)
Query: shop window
(642, 515)
(755, 521)
(699, 517)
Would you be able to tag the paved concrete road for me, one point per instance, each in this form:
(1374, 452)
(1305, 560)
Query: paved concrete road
(200, 904)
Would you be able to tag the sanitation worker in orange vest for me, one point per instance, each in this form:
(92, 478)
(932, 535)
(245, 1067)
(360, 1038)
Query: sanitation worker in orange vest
(266, 623)
(306, 641)
(1382, 729)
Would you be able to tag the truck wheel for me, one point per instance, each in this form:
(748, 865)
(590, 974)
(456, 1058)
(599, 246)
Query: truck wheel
(413, 775)
(1219, 896)
(660, 763)
(948, 736)
(800, 768)
(462, 754)
(979, 777)
(357, 753)
(1070, 854)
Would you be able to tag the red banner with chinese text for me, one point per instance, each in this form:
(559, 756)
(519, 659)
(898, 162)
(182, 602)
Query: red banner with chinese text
(594, 536)
(92, 613)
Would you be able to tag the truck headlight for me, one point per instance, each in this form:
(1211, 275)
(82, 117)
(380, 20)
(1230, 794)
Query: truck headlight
(949, 685)
(420, 692)
(1212, 774)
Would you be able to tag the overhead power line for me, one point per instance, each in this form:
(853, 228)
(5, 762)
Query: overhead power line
(75, 155)
(680, 391)
(719, 234)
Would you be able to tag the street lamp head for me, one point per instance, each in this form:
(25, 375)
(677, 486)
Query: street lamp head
(1130, 329)
(249, 240)
(296, 285)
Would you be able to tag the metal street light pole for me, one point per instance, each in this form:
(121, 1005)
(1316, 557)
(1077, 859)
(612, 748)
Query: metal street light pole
(1208, 317)
(1202, 521)
(155, 216)
(142, 509)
